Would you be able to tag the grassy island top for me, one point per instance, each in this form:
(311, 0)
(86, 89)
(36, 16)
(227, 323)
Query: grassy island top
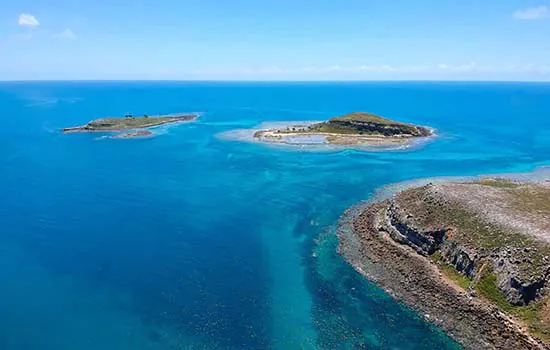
(130, 122)
(365, 117)
(363, 123)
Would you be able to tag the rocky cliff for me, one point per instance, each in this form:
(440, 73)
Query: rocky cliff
(489, 239)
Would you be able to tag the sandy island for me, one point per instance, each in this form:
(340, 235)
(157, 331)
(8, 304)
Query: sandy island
(358, 128)
(472, 258)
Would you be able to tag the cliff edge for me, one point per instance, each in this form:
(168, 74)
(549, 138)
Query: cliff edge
(473, 258)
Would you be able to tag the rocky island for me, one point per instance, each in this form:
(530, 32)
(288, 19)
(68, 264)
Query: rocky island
(472, 258)
(129, 122)
(358, 128)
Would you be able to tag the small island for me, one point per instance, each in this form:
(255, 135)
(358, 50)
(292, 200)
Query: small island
(471, 257)
(358, 128)
(129, 122)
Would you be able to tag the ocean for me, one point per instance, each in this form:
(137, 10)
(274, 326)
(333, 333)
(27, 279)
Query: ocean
(188, 240)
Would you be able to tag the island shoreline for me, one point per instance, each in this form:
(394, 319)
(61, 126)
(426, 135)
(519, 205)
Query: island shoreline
(161, 120)
(418, 282)
(352, 129)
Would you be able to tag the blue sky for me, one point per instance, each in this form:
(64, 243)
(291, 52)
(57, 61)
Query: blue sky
(275, 39)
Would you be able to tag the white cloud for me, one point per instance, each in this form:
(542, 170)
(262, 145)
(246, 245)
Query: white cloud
(27, 20)
(66, 34)
(533, 13)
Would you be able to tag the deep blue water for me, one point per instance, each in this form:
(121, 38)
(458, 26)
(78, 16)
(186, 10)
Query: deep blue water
(189, 241)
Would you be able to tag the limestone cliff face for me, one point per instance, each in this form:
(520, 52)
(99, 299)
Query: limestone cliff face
(463, 259)
(403, 230)
(519, 288)
(519, 278)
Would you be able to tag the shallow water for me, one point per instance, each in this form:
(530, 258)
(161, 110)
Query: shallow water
(306, 139)
(189, 241)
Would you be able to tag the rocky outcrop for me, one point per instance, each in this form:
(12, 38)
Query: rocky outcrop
(520, 279)
(464, 260)
(411, 278)
(399, 226)
(520, 286)
(405, 243)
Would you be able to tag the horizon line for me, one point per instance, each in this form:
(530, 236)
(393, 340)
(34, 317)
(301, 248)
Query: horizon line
(274, 81)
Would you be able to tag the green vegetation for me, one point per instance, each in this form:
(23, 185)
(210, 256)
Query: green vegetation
(436, 256)
(450, 272)
(481, 233)
(338, 129)
(473, 231)
(532, 315)
(456, 276)
(348, 129)
(530, 199)
(533, 199)
(360, 123)
(128, 122)
(498, 183)
(366, 118)
(487, 286)
(469, 228)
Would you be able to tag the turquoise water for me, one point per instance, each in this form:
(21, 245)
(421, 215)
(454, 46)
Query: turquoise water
(189, 241)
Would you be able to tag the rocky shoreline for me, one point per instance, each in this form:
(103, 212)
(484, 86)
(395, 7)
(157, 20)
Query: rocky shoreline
(422, 261)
